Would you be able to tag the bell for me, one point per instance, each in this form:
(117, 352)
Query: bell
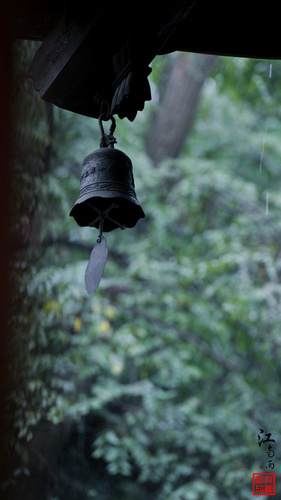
(107, 198)
(107, 191)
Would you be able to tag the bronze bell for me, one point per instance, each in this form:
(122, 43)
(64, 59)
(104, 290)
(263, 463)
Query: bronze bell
(107, 191)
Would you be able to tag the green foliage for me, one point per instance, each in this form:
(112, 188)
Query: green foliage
(173, 363)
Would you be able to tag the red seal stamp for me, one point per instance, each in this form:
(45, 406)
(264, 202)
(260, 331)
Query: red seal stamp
(263, 483)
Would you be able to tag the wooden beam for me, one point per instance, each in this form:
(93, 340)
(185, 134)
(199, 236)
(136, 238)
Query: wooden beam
(65, 69)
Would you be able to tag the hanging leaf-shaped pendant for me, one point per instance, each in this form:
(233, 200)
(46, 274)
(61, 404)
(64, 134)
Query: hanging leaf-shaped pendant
(96, 265)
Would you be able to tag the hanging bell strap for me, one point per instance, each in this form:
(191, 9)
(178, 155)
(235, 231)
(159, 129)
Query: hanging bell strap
(107, 140)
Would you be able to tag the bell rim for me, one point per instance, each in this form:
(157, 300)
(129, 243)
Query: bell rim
(102, 194)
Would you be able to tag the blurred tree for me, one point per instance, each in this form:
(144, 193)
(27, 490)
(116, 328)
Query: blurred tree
(179, 96)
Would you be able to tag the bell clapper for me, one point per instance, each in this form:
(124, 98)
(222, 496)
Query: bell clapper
(105, 215)
(98, 257)
(100, 230)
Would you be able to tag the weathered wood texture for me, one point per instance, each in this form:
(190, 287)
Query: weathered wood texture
(105, 51)
(104, 48)
(33, 19)
(217, 27)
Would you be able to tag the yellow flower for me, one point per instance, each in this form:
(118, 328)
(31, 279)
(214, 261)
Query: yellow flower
(110, 312)
(104, 326)
(77, 324)
(52, 305)
(97, 308)
(117, 368)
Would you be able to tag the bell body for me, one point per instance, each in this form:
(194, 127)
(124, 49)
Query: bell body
(107, 180)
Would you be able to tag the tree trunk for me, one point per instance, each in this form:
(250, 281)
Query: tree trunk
(178, 103)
